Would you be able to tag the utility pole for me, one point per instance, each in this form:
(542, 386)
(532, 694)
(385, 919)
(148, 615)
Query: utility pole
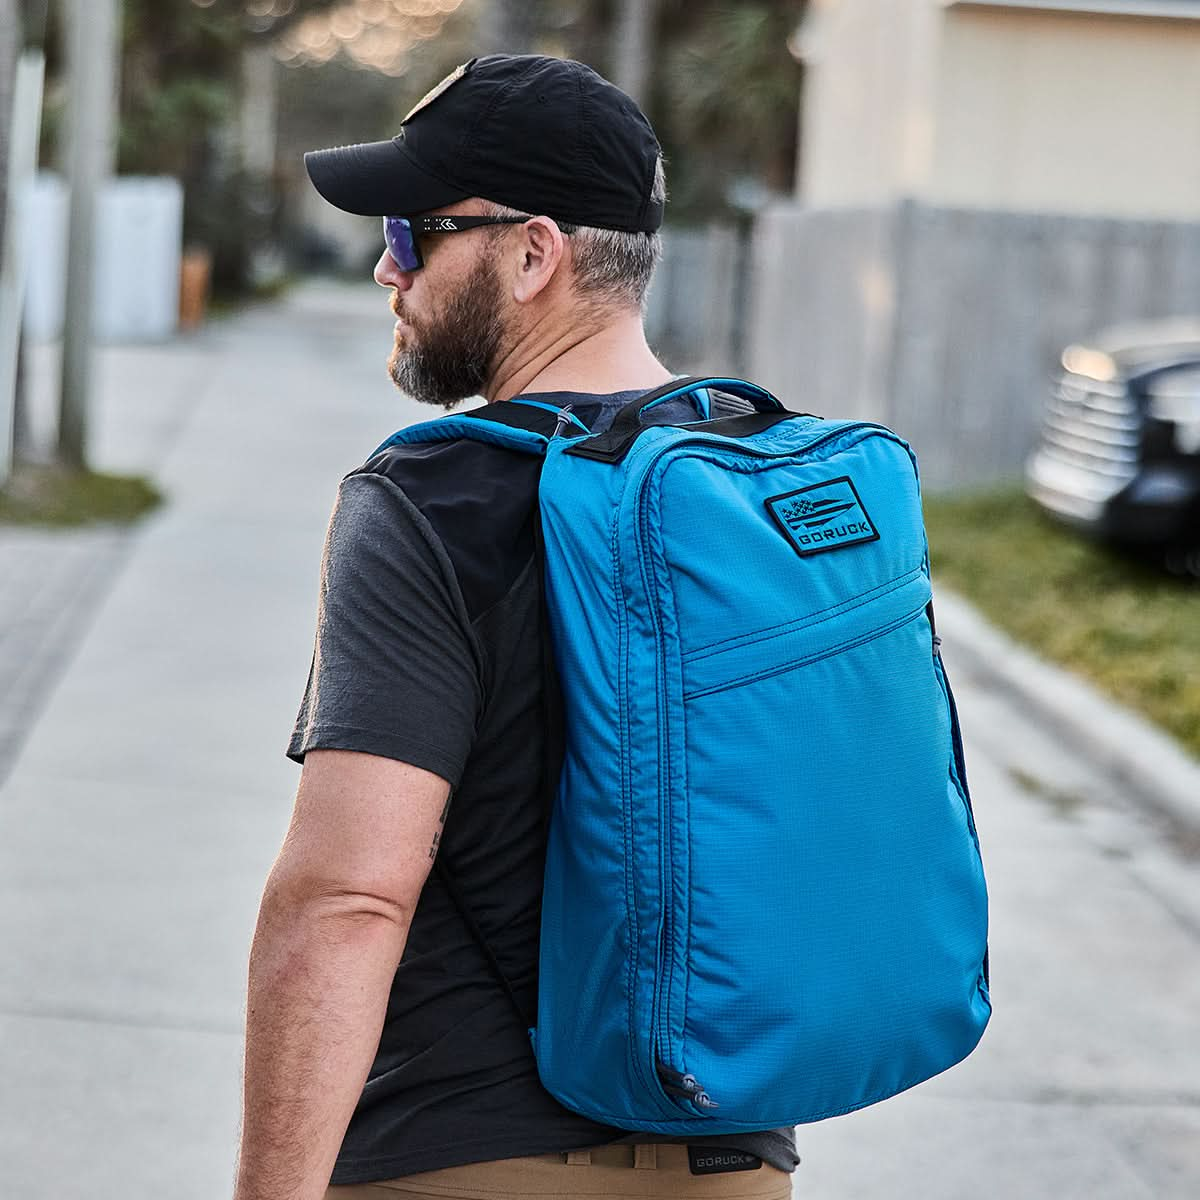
(23, 121)
(258, 109)
(633, 48)
(93, 64)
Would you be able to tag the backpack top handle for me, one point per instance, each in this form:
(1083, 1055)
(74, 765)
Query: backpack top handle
(615, 443)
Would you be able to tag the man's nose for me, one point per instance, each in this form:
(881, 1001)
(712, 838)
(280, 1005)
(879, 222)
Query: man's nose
(388, 274)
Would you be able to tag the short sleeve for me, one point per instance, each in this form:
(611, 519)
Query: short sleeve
(396, 668)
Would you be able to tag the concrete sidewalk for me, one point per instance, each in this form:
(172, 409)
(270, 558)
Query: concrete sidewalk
(142, 814)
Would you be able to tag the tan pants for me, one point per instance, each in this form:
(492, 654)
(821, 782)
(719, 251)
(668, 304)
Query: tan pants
(604, 1171)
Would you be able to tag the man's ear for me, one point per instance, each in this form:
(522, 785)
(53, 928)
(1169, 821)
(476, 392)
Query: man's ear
(542, 248)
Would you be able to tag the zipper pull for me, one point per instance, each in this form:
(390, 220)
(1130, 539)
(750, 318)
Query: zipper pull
(677, 1084)
(564, 419)
(933, 633)
(685, 1087)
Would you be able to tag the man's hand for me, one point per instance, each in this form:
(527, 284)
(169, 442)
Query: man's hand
(334, 919)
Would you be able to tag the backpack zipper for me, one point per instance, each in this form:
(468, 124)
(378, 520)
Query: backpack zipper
(681, 1085)
(808, 659)
(685, 1087)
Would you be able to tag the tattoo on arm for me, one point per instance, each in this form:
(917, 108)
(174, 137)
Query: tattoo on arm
(437, 836)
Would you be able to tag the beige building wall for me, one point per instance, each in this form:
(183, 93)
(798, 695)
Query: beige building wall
(871, 87)
(1057, 112)
(1003, 106)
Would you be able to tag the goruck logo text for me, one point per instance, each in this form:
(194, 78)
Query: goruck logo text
(823, 516)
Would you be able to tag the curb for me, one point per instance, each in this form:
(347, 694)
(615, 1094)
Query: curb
(1148, 765)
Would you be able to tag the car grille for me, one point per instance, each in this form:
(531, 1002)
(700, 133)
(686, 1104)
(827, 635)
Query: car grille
(1093, 427)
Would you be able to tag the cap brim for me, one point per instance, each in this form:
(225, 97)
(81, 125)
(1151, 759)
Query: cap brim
(377, 179)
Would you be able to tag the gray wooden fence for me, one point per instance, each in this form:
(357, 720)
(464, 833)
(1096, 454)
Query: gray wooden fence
(947, 324)
(698, 301)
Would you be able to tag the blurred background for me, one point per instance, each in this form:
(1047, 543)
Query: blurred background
(975, 222)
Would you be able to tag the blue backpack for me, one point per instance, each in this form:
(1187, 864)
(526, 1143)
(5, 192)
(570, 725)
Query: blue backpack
(764, 901)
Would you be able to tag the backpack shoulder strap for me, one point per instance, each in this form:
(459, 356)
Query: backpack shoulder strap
(524, 425)
(529, 427)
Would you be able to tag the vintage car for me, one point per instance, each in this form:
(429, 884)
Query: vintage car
(1119, 451)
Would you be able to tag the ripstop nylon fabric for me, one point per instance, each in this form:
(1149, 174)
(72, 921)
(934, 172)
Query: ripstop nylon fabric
(764, 900)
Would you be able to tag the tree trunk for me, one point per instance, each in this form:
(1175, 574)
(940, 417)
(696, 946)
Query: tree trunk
(633, 48)
(258, 113)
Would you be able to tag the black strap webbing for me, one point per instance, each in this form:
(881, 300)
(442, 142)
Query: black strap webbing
(552, 727)
(553, 724)
(518, 416)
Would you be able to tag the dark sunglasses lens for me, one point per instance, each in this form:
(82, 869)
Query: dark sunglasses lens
(401, 243)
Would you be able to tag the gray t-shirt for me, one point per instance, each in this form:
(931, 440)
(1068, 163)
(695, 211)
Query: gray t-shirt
(428, 652)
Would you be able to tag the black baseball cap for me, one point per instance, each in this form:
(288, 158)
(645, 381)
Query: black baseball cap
(543, 135)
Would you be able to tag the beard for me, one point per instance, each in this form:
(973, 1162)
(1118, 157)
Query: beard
(451, 356)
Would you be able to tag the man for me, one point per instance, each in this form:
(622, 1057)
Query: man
(381, 1044)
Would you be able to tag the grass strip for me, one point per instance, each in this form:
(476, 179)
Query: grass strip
(56, 496)
(1126, 625)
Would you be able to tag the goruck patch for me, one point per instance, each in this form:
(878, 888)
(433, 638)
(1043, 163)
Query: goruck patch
(437, 90)
(823, 516)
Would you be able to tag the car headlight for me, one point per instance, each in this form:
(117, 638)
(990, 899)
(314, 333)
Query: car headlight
(1174, 396)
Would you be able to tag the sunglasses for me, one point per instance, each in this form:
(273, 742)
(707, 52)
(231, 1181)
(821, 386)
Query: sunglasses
(400, 234)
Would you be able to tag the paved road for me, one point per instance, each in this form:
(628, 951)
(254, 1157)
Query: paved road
(147, 800)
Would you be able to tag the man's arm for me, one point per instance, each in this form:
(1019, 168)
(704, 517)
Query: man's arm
(334, 919)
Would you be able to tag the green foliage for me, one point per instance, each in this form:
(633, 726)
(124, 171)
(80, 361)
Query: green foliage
(180, 74)
(725, 93)
(725, 99)
(1125, 624)
(166, 130)
(730, 95)
(174, 84)
(338, 101)
(38, 495)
